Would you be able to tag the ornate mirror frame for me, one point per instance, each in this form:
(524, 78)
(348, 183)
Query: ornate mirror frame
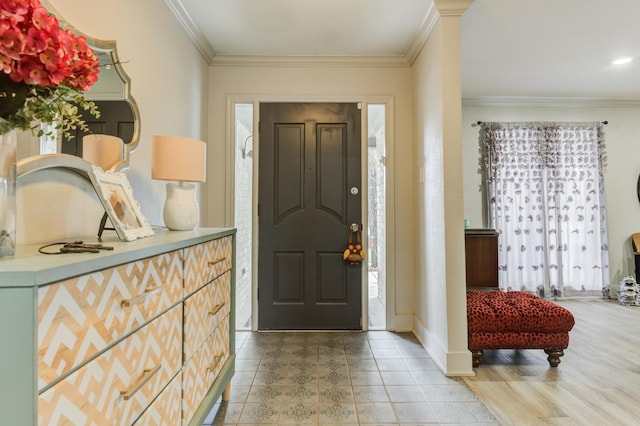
(39, 162)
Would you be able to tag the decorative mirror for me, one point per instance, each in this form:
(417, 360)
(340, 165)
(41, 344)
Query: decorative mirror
(119, 115)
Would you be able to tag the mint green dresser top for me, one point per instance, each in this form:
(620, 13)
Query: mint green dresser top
(29, 268)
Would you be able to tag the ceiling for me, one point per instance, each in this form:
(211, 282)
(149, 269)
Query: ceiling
(510, 48)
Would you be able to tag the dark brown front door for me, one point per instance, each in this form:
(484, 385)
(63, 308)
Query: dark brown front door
(116, 119)
(309, 194)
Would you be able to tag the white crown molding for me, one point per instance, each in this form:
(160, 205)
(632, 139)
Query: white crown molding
(191, 29)
(550, 102)
(309, 60)
(452, 7)
(429, 22)
(438, 8)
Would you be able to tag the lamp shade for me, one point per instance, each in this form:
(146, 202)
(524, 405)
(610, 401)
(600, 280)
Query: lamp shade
(178, 158)
(105, 151)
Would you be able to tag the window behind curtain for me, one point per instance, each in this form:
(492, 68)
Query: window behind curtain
(547, 202)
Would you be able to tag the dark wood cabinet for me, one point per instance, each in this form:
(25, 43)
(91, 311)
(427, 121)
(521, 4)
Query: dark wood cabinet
(481, 254)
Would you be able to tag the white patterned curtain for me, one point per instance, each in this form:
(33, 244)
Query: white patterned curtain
(547, 203)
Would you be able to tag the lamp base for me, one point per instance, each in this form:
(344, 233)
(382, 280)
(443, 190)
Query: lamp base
(181, 211)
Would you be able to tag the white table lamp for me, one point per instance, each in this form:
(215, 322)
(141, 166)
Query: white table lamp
(104, 151)
(181, 159)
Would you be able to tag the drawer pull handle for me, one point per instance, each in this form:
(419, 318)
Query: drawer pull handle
(147, 293)
(216, 361)
(216, 309)
(146, 376)
(215, 262)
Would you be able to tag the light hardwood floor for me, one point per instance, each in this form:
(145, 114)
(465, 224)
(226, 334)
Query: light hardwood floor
(596, 383)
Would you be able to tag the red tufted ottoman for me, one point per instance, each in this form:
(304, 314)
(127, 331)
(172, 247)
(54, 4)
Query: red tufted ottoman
(516, 320)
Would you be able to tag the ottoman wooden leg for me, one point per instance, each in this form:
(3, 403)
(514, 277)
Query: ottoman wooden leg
(554, 356)
(476, 356)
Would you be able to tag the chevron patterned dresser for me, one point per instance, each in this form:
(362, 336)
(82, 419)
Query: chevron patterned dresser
(143, 334)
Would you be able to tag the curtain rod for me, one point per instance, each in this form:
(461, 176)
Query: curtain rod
(479, 123)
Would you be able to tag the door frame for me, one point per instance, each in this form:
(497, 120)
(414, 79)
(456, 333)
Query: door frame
(256, 99)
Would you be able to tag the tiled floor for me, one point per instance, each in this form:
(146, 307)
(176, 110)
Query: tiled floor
(376, 377)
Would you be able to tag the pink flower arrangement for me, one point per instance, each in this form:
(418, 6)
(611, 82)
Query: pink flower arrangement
(43, 68)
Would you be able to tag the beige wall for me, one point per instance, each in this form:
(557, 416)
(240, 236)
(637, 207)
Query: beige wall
(331, 83)
(440, 302)
(169, 83)
(621, 175)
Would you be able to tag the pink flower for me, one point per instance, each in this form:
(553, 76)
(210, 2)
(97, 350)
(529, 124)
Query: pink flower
(42, 20)
(15, 10)
(35, 50)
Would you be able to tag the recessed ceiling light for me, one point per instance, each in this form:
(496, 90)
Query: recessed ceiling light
(622, 61)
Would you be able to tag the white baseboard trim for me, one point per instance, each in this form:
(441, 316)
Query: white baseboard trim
(403, 323)
(450, 363)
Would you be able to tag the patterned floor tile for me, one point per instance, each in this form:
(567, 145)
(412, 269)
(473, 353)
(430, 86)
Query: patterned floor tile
(352, 352)
(380, 378)
(259, 413)
(331, 352)
(329, 394)
(299, 394)
(359, 364)
(304, 364)
(276, 377)
(265, 393)
(270, 364)
(277, 352)
(305, 352)
(301, 378)
(333, 364)
(299, 413)
(334, 377)
(337, 413)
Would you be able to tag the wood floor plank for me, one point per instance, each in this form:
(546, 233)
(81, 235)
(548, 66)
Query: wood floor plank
(597, 381)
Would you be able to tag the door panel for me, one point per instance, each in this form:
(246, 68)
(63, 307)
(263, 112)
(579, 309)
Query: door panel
(309, 161)
(331, 158)
(116, 118)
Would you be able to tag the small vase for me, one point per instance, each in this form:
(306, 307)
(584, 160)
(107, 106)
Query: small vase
(8, 145)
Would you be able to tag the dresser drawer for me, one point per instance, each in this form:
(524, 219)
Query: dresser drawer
(166, 409)
(206, 261)
(116, 387)
(201, 371)
(204, 310)
(80, 317)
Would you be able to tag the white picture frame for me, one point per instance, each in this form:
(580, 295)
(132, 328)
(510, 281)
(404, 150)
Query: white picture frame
(116, 195)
